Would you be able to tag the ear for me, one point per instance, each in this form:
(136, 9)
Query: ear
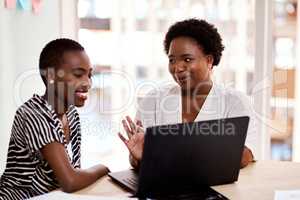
(210, 61)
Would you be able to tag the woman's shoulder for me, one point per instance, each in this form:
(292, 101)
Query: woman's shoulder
(230, 92)
(28, 115)
(233, 96)
(34, 108)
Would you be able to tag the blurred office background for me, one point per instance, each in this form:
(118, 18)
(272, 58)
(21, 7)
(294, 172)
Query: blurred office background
(124, 39)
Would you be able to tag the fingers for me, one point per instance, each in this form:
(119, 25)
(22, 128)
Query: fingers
(139, 123)
(131, 124)
(123, 139)
(131, 128)
(127, 129)
(126, 142)
(140, 129)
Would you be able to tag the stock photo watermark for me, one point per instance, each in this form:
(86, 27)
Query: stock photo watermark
(114, 92)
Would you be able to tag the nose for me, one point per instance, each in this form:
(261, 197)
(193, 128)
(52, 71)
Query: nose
(86, 84)
(179, 67)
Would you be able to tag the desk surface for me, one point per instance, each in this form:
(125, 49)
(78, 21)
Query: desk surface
(259, 180)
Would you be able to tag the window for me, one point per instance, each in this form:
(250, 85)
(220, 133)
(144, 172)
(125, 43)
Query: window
(283, 97)
(130, 42)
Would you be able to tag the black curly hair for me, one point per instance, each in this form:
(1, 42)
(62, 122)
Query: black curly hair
(205, 34)
(52, 53)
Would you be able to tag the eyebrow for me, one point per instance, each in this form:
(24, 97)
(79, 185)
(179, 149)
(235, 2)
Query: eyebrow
(82, 69)
(183, 55)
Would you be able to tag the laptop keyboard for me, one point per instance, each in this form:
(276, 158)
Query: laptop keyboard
(132, 181)
(204, 194)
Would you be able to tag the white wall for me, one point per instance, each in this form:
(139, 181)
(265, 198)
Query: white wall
(22, 37)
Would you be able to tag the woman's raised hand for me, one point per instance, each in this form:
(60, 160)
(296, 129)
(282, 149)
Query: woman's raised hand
(135, 141)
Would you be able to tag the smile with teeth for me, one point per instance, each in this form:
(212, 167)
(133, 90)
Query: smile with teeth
(82, 95)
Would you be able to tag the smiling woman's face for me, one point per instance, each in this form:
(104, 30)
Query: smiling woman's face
(73, 78)
(188, 64)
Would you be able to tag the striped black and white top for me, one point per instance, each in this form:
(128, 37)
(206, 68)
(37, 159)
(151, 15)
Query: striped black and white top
(35, 125)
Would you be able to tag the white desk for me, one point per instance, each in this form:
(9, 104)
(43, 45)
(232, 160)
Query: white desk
(259, 180)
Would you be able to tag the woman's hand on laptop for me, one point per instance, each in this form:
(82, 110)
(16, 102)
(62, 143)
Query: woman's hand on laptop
(135, 141)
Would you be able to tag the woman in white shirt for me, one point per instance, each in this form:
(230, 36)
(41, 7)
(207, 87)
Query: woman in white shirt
(193, 47)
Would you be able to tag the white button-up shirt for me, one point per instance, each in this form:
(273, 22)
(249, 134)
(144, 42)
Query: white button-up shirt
(163, 106)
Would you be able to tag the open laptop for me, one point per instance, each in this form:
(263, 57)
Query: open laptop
(183, 160)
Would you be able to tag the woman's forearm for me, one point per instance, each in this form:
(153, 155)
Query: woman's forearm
(85, 177)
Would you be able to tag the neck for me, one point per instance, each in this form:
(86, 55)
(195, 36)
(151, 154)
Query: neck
(202, 89)
(57, 104)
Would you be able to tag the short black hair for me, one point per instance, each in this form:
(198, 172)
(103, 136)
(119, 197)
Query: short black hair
(52, 53)
(205, 34)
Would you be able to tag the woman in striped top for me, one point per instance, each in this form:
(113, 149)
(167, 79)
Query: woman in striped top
(44, 148)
